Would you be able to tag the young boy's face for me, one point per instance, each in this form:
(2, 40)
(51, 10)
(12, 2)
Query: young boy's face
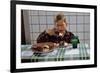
(61, 26)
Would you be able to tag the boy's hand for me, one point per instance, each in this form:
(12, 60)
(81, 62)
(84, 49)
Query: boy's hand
(65, 44)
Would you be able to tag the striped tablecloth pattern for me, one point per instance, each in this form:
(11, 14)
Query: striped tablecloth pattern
(82, 52)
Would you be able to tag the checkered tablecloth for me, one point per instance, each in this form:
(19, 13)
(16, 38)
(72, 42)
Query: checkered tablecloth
(82, 52)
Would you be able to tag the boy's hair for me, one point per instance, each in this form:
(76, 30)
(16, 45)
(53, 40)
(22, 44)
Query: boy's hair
(60, 16)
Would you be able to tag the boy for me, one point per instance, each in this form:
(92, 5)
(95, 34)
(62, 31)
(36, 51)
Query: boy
(56, 36)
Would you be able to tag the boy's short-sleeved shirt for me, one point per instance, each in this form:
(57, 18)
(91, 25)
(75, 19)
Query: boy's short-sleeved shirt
(53, 36)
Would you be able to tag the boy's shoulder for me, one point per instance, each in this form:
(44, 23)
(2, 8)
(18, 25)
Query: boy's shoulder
(69, 33)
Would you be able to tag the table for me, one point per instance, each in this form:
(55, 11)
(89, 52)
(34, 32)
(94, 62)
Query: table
(82, 52)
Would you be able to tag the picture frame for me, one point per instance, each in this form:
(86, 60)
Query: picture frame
(18, 6)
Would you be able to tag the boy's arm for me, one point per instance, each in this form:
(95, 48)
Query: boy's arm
(43, 42)
(43, 37)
